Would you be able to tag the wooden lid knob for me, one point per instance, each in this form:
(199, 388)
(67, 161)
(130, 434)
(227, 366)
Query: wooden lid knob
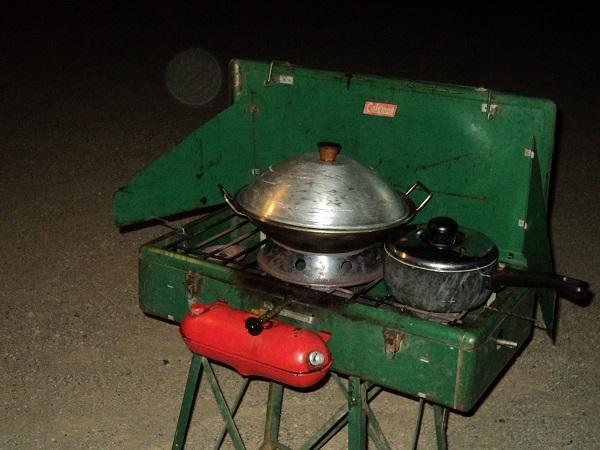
(328, 151)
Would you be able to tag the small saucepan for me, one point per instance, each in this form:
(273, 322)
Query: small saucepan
(440, 268)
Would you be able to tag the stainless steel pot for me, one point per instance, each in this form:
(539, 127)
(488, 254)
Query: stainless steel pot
(324, 203)
(441, 268)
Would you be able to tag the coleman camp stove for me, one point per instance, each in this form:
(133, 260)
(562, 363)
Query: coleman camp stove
(298, 315)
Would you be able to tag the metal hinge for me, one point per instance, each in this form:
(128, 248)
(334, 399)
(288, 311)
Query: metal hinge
(279, 78)
(237, 80)
(488, 107)
(530, 152)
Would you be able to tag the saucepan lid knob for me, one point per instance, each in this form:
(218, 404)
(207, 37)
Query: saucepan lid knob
(441, 232)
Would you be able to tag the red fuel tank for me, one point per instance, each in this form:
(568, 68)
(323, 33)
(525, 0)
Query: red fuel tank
(284, 353)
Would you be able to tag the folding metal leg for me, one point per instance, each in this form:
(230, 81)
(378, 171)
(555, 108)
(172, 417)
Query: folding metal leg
(187, 404)
(357, 415)
(232, 429)
(440, 415)
(415, 441)
(273, 417)
(441, 426)
(340, 419)
(329, 429)
(361, 422)
(234, 408)
(197, 364)
(374, 429)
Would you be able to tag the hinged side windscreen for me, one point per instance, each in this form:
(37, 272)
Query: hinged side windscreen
(472, 147)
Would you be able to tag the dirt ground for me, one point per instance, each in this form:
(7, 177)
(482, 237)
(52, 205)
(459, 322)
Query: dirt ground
(83, 107)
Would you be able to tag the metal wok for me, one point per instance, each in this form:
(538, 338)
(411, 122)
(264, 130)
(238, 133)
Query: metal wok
(324, 203)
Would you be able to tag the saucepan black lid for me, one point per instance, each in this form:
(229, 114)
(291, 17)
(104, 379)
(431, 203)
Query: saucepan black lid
(440, 245)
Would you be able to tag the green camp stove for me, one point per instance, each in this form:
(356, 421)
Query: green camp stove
(485, 156)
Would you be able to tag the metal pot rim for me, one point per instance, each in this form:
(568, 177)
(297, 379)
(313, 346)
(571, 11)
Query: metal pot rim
(361, 229)
(438, 266)
(441, 246)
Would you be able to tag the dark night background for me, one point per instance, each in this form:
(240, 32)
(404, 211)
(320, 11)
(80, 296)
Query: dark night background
(535, 49)
(84, 106)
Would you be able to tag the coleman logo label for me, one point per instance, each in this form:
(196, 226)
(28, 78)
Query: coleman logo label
(380, 109)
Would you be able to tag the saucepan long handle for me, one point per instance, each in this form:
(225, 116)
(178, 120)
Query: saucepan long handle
(569, 288)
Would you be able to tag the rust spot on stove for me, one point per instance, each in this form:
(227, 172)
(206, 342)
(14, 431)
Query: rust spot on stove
(192, 284)
(392, 341)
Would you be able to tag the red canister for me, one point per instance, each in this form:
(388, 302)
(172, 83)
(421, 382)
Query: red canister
(284, 353)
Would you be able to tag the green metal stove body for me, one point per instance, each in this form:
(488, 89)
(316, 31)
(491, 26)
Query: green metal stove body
(485, 155)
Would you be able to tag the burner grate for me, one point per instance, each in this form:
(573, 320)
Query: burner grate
(234, 242)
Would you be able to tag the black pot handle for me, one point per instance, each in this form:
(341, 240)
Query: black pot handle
(569, 288)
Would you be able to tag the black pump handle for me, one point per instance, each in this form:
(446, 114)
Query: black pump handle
(256, 325)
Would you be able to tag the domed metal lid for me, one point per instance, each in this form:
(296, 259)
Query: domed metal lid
(325, 191)
(439, 245)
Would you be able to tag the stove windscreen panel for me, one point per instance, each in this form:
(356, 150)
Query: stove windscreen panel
(472, 147)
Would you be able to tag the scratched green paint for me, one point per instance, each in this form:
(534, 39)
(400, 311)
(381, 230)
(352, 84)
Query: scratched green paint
(451, 366)
(477, 168)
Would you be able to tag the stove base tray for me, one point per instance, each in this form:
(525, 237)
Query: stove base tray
(450, 364)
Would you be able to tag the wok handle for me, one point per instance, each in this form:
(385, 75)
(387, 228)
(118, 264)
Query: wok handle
(231, 202)
(424, 188)
(569, 288)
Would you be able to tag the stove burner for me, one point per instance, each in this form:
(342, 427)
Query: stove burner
(321, 270)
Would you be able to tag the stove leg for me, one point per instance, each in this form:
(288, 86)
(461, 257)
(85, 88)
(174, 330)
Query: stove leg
(357, 415)
(441, 426)
(273, 416)
(187, 404)
(230, 424)
(440, 415)
(417, 433)
(234, 408)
